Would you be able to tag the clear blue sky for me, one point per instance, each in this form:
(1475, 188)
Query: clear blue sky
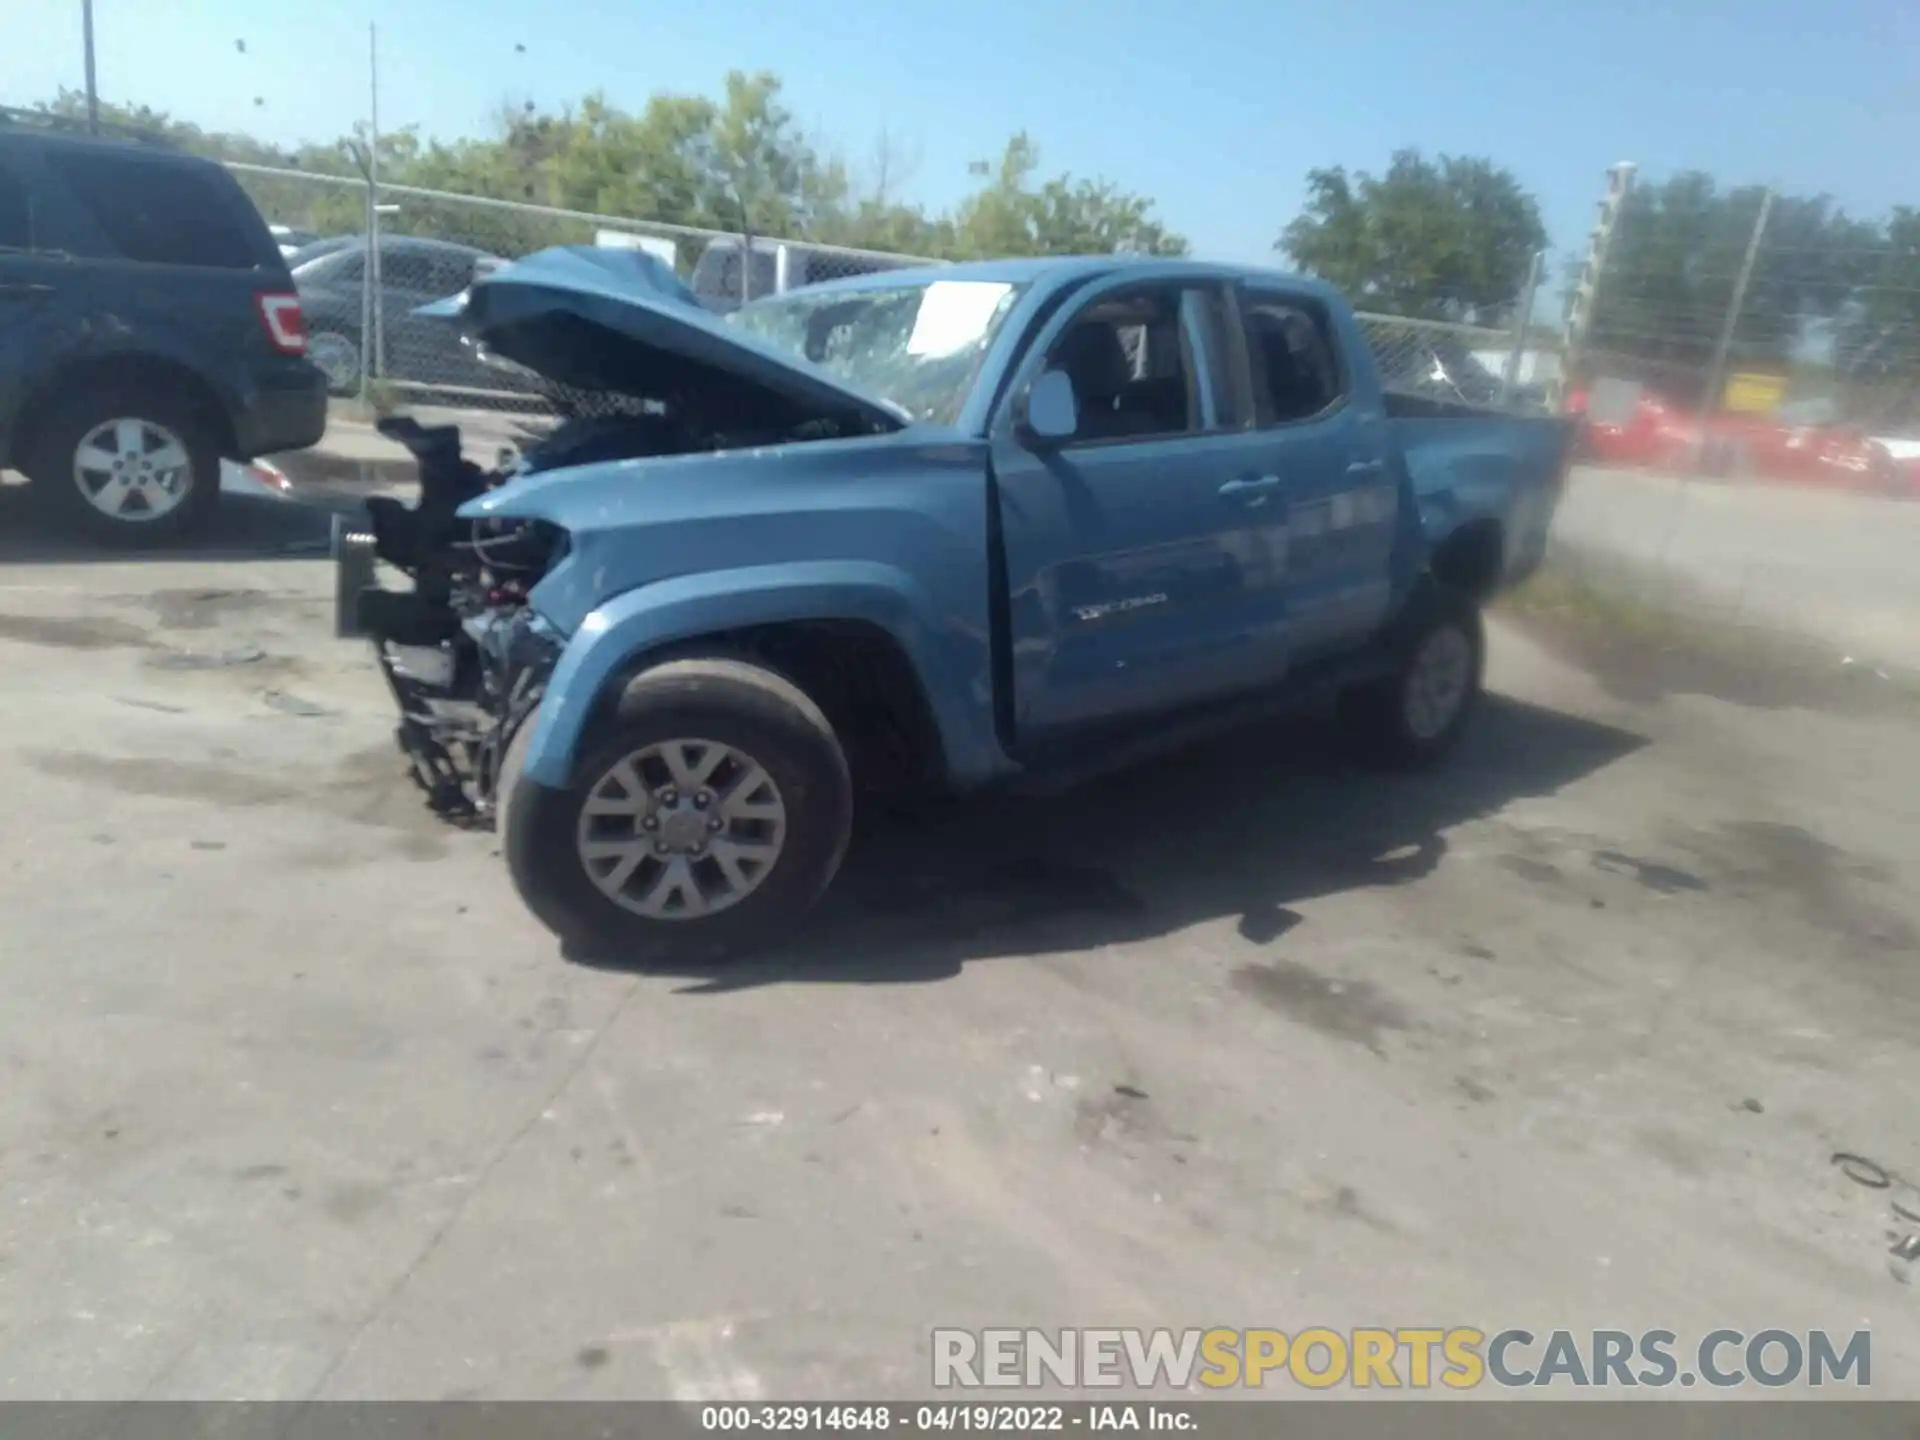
(1217, 108)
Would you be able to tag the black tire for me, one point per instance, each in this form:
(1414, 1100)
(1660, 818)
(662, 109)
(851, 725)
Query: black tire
(512, 761)
(730, 702)
(57, 491)
(1377, 719)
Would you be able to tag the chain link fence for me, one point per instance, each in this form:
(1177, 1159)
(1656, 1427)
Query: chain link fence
(361, 301)
(1510, 369)
(1748, 382)
(1740, 355)
(1757, 356)
(1741, 341)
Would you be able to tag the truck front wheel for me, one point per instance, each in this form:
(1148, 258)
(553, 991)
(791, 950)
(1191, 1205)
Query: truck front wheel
(1416, 714)
(711, 813)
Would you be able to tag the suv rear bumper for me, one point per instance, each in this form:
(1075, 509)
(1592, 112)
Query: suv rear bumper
(282, 406)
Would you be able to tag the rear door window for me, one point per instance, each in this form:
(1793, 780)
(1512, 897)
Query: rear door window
(1294, 361)
(450, 272)
(338, 269)
(157, 213)
(424, 269)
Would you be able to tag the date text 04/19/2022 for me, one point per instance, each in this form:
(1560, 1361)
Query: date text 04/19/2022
(946, 1419)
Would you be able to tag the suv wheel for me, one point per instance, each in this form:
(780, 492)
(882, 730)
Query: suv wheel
(338, 356)
(710, 816)
(127, 466)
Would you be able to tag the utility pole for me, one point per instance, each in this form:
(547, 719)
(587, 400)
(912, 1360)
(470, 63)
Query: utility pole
(1717, 373)
(1580, 306)
(93, 94)
(1522, 323)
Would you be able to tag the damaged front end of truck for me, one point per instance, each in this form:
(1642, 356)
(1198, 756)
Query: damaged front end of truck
(637, 370)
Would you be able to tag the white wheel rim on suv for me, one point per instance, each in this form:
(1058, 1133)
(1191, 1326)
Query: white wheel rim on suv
(1437, 682)
(682, 829)
(133, 470)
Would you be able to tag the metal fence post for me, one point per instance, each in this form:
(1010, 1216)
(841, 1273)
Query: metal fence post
(782, 268)
(1723, 348)
(378, 329)
(366, 290)
(1522, 324)
(93, 91)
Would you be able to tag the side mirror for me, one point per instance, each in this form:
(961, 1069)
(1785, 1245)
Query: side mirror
(1052, 412)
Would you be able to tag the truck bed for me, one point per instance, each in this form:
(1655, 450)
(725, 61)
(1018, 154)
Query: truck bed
(1468, 465)
(1407, 405)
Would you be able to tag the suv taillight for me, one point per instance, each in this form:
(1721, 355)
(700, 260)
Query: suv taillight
(285, 325)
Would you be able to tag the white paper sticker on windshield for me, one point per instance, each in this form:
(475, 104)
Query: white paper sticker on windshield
(953, 315)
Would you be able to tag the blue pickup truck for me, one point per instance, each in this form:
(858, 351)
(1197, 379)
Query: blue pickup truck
(921, 531)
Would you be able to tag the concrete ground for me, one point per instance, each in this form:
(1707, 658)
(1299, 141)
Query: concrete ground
(1814, 562)
(299, 1102)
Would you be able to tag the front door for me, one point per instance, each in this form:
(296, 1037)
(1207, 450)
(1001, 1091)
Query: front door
(1139, 575)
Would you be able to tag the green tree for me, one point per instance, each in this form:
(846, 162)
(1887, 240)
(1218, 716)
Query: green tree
(1445, 239)
(1009, 215)
(1877, 334)
(734, 162)
(866, 210)
(318, 206)
(1675, 260)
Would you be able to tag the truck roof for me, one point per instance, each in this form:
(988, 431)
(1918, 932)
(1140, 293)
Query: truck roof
(1048, 271)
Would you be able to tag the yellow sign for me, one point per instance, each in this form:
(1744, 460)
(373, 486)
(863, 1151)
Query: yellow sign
(1754, 394)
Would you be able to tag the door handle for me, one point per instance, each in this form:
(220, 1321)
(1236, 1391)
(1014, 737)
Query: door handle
(1250, 487)
(23, 288)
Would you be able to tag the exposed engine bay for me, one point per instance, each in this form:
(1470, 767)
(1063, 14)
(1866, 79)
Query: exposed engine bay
(465, 656)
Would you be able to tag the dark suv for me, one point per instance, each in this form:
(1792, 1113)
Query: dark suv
(148, 328)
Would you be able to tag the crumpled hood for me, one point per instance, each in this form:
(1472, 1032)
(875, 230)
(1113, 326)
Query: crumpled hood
(596, 318)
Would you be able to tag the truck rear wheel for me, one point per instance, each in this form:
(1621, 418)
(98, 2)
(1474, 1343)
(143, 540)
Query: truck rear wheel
(710, 814)
(1415, 715)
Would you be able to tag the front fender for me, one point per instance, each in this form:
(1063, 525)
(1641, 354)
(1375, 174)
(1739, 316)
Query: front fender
(618, 633)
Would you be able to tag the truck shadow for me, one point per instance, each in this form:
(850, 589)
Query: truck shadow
(1246, 827)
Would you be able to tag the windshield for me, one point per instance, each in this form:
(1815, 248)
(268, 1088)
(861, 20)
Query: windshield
(917, 345)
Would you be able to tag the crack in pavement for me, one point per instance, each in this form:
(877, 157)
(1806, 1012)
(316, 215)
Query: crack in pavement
(481, 1180)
